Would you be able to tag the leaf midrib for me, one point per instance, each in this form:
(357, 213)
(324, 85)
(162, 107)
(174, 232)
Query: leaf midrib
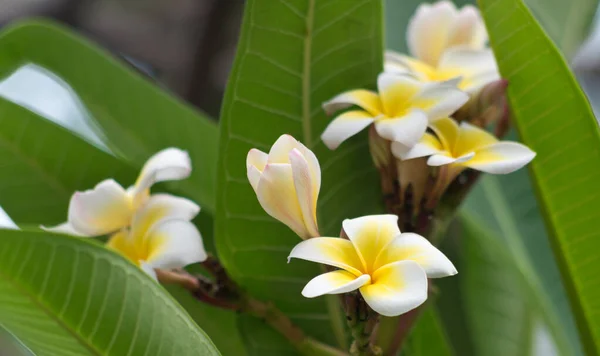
(48, 311)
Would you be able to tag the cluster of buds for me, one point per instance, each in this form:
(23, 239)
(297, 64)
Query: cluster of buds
(154, 231)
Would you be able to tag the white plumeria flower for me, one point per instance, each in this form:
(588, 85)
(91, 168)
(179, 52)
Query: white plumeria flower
(471, 69)
(287, 183)
(161, 241)
(110, 207)
(437, 27)
(400, 111)
(467, 146)
(389, 268)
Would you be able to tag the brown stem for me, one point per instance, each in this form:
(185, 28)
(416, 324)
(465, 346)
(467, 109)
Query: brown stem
(403, 328)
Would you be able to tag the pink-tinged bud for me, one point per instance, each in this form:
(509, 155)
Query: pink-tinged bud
(488, 107)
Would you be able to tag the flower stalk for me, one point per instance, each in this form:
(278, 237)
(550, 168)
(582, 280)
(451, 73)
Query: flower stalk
(362, 321)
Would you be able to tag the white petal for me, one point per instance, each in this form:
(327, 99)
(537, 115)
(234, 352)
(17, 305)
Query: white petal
(64, 228)
(478, 66)
(400, 64)
(469, 29)
(331, 251)
(174, 244)
(6, 222)
(102, 210)
(410, 246)
(370, 234)
(148, 269)
(428, 30)
(335, 282)
(501, 158)
(276, 194)
(307, 191)
(429, 145)
(397, 92)
(159, 207)
(345, 126)
(444, 100)
(397, 288)
(365, 99)
(255, 163)
(280, 151)
(440, 160)
(407, 130)
(168, 164)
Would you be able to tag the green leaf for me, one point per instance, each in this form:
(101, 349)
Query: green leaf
(43, 164)
(554, 118)
(137, 118)
(506, 204)
(293, 55)
(428, 336)
(86, 300)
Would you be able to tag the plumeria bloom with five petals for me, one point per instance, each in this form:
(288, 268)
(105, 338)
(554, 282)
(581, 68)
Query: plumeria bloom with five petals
(158, 240)
(446, 43)
(109, 207)
(389, 269)
(287, 181)
(467, 146)
(400, 110)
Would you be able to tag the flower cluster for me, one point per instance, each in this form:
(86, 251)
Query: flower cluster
(154, 231)
(413, 139)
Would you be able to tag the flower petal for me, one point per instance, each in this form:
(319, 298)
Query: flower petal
(331, 251)
(396, 288)
(174, 244)
(428, 146)
(397, 92)
(446, 129)
(428, 30)
(441, 159)
(335, 282)
(64, 228)
(345, 126)
(276, 194)
(366, 99)
(410, 246)
(122, 242)
(468, 30)
(307, 191)
(102, 210)
(478, 67)
(148, 269)
(159, 207)
(280, 151)
(471, 138)
(168, 164)
(501, 158)
(255, 164)
(440, 100)
(397, 63)
(407, 129)
(370, 234)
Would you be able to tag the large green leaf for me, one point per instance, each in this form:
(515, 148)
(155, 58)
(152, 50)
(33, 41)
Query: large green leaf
(427, 337)
(137, 118)
(43, 164)
(86, 300)
(554, 118)
(293, 55)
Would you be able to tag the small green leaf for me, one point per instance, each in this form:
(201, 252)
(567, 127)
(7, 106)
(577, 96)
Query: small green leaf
(86, 300)
(137, 118)
(554, 118)
(293, 55)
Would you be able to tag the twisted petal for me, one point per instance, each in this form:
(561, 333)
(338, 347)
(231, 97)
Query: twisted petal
(159, 207)
(367, 100)
(335, 282)
(345, 126)
(174, 244)
(307, 191)
(255, 164)
(440, 100)
(168, 164)
(446, 130)
(428, 30)
(407, 129)
(410, 246)
(64, 228)
(331, 251)
(429, 145)
(444, 158)
(471, 138)
(370, 234)
(276, 194)
(99, 211)
(396, 288)
(501, 158)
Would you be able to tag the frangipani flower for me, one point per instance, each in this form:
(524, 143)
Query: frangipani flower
(471, 69)
(467, 146)
(446, 43)
(161, 241)
(389, 268)
(400, 111)
(437, 27)
(109, 207)
(287, 183)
